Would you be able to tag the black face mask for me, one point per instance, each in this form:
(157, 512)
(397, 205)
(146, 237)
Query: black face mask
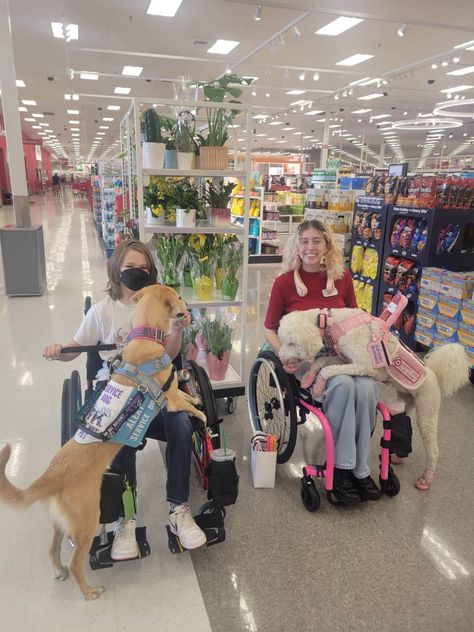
(134, 278)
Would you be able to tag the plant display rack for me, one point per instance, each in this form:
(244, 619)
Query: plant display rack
(459, 258)
(234, 382)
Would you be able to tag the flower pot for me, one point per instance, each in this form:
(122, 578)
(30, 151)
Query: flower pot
(155, 216)
(170, 217)
(218, 274)
(153, 155)
(217, 368)
(214, 158)
(185, 218)
(185, 160)
(197, 162)
(188, 282)
(191, 351)
(229, 288)
(171, 159)
(203, 287)
(220, 216)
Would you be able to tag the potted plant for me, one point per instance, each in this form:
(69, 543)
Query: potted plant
(171, 155)
(185, 128)
(186, 201)
(153, 147)
(218, 335)
(213, 154)
(203, 263)
(231, 261)
(154, 202)
(217, 197)
(169, 251)
(189, 349)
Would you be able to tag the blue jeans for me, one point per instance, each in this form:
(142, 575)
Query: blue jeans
(176, 429)
(350, 404)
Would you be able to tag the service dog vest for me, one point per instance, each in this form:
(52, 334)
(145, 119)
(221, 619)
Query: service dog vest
(122, 414)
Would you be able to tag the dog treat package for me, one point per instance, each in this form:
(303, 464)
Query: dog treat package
(398, 226)
(406, 234)
(447, 238)
(370, 264)
(358, 291)
(367, 298)
(390, 269)
(357, 258)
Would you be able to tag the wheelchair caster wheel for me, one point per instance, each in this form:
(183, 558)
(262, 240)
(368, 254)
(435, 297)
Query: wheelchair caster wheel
(309, 495)
(211, 508)
(231, 405)
(391, 486)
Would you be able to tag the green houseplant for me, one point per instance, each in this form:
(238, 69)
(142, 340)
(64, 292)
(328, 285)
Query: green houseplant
(218, 335)
(217, 197)
(153, 146)
(187, 203)
(213, 155)
(169, 252)
(231, 261)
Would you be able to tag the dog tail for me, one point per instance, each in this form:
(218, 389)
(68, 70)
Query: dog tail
(19, 498)
(451, 366)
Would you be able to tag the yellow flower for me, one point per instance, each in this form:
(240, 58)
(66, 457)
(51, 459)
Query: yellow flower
(197, 241)
(202, 259)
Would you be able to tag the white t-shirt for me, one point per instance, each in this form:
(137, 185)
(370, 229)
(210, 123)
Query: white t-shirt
(108, 321)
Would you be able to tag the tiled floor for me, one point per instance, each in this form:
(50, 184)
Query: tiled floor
(402, 563)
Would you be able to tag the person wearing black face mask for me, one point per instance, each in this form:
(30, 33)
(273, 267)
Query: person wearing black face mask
(131, 268)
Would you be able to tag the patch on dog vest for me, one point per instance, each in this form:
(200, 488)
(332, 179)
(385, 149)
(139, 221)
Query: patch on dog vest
(118, 413)
(406, 369)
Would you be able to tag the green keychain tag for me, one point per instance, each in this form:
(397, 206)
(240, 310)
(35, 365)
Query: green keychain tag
(128, 502)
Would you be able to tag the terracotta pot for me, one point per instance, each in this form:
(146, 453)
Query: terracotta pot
(217, 368)
(214, 158)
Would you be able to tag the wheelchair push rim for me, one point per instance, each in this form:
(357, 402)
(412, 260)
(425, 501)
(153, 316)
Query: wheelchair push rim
(271, 402)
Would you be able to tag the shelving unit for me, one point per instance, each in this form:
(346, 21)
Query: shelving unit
(234, 383)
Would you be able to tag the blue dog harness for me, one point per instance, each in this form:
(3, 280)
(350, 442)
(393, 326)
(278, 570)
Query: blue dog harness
(120, 413)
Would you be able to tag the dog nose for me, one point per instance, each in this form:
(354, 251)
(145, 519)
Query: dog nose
(180, 315)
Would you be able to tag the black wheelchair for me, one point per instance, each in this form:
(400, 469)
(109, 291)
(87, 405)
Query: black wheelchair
(278, 405)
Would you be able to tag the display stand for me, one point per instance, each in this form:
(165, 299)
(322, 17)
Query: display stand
(233, 384)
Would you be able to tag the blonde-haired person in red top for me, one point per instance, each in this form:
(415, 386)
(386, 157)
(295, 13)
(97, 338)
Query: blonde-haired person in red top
(315, 277)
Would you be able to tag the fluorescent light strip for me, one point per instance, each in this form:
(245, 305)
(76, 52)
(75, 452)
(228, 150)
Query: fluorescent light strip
(91, 76)
(296, 92)
(467, 70)
(353, 60)
(132, 71)
(28, 102)
(115, 108)
(122, 90)
(362, 111)
(369, 97)
(380, 116)
(30, 120)
(457, 89)
(222, 47)
(338, 26)
(313, 112)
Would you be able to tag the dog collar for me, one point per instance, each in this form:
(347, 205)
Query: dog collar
(146, 333)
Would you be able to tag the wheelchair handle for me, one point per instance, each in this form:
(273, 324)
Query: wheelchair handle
(88, 348)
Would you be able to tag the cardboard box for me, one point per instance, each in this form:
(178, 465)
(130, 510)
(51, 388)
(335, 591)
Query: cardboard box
(431, 279)
(424, 337)
(466, 334)
(449, 308)
(467, 312)
(426, 320)
(428, 301)
(447, 327)
(457, 285)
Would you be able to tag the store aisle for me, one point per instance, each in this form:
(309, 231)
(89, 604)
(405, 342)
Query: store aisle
(161, 590)
(402, 563)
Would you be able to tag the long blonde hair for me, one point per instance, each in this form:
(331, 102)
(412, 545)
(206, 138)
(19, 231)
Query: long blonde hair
(333, 264)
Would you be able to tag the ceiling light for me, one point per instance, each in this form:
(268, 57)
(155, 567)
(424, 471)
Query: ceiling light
(107, 118)
(336, 97)
(313, 112)
(353, 60)
(260, 116)
(222, 46)
(402, 30)
(462, 71)
(22, 109)
(100, 133)
(113, 107)
(338, 26)
(381, 116)
(369, 97)
(228, 70)
(72, 111)
(276, 123)
(302, 76)
(295, 32)
(30, 120)
(36, 127)
(165, 8)
(316, 76)
(44, 124)
(456, 59)
(91, 76)
(132, 71)
(296, 92)
(39, 115)
(104, 127)
(74, 122)
(20, 83)
(73, 97)
(434, 66)
(258, 13)
(363, 111)
(444, 63)
(457, 89)
(122, 90)
(254, 93)
(68, 32)
(28, 102)
(464, 44)
(267, 94)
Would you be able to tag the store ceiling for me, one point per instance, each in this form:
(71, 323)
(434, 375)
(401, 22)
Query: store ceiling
(278, 49)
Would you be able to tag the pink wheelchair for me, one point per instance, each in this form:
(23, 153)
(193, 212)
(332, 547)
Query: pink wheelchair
(278, 405)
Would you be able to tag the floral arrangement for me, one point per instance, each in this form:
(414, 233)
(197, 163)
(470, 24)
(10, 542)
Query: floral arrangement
(218, 335)
(203, 264)
(232, 259)
(169, 250)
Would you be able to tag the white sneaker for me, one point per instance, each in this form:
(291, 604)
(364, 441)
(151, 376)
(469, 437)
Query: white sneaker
(124, 546)
(182, 524)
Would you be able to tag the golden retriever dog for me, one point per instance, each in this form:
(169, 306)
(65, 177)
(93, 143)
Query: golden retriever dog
(71, 484)
(447, 370)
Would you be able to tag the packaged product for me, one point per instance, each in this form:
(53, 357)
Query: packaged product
(357, 258)
(431, 279)
(406, 275)
(415, 240)
(398, 225)
(449, 308)
(390, 269)
(466, 334)
(428, 301)
(426, 320)
(406, 234)
(389, 189)
(447, 238)
(364, 223)
(376, 226)
(408, 320)
(447, 327)
(413, 192)
(425, 338)
(467, 312)
(457, 285)
(367, 298)
(359, 291)
(370, 264)
(387, 299)
(427, 192)
(368, 186)
(357, 220)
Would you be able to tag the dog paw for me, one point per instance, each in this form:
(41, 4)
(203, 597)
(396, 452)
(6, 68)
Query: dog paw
(61, 573)
(424, 482)
(200, 415)
(93, 592)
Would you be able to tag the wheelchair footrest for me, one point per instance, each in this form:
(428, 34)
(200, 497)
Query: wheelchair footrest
(211, 523)
(99, 554)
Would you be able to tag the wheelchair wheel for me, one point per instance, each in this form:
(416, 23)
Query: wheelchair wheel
(271, 400)
(71, 402)
(309, 494)
(202, 386)
(231, 405)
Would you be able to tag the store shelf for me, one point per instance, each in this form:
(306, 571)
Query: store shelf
(188, 295)
(197, 173)
(232, 380)
(205, 230)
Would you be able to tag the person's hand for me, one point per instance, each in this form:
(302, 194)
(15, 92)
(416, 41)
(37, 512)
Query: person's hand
(53, 351)
(182, 322)
(291, 366)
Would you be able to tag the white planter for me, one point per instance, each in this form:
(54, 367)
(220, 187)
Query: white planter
(153, 155)
(151, 220)
(185, 218)
(185, 160)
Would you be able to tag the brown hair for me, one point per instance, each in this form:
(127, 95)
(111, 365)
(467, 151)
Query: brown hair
(113, 288)
(333, 264)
